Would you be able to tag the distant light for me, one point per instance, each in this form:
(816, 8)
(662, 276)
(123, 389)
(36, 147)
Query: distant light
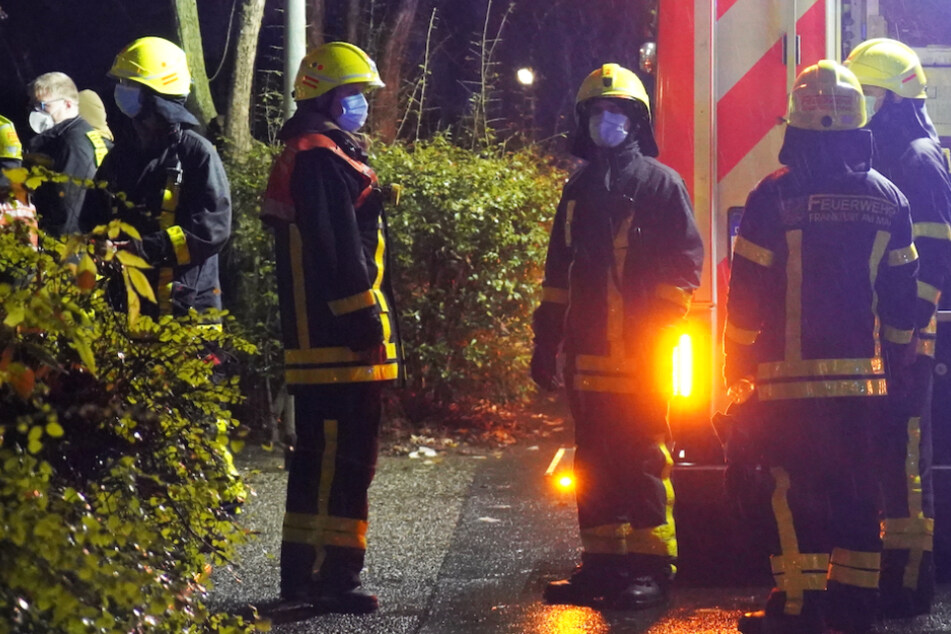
(525, 76)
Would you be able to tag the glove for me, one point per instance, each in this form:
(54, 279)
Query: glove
(362, 329)
(545, 368)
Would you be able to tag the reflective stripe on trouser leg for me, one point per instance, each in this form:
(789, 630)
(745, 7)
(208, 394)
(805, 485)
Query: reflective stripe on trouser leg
(915, 532)
(624, 539)
(855, 568)
(793, 572)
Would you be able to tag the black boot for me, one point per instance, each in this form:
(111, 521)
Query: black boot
(641, 593)
(338, 586)
(588, 584)
(772, 620)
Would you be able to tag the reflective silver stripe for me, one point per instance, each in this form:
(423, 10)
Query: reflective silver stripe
(753, 252)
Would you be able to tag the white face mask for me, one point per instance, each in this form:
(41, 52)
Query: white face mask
(608, 129)
(870, 105)
(41, 121)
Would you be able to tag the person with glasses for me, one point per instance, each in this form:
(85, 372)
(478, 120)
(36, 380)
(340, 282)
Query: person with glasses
(65, 143)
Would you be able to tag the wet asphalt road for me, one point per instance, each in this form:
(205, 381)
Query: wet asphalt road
(465, 544)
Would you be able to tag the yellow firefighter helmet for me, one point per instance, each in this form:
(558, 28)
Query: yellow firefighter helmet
(154, 62)
(331, 65)
(612, 81)
(888, 64)
(827, 96)
(10, 146)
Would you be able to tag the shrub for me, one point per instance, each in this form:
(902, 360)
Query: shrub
(468, 244)
(114, 477)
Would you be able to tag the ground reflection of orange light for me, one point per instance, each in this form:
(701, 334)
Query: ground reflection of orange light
(565, 619)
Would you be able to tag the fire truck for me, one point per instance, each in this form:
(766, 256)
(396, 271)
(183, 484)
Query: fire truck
(723, 70)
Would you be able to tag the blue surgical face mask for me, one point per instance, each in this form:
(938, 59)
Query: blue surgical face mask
(129, 99)
(608, 129)
(354, 115)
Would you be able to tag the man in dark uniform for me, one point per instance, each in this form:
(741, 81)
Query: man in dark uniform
(338, 323)
(64, 143)
(171, 176)
(822, 288)
(623, 261)
(906, 150)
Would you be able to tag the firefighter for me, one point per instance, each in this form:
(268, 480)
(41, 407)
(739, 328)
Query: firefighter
(907, 151)
(65, 143)
(15, 204)
(326, 210)
(171, 175)
(822, 288)
(624, 258)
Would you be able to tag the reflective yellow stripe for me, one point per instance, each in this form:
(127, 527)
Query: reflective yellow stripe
(928, 292)
(554, 295)
(855, 568)
(300, 290)
(349, 304)
(910, 525)
(820, 367)
(856, 559)
(98, 146)
(675, 295)
(569, 218)
(932, 327)
(358, 374)
(874, 260)
(898, 257)
(179, 244)
(802, 581)
(801, 561)
(792, 580)
(822, 389)
(794, 296)
(739, 335)
(164, 290)
(329, 355)
(378, 257)
(622, 539)
(936, 230)
(753, 252)
(909, 542)
(895, 335)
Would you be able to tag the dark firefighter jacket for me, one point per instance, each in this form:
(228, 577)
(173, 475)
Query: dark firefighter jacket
(907, 152)
(624, 258)
(824, 270)
(71, 147)
(326, 210)
(182, 209)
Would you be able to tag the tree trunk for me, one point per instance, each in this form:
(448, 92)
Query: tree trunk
(189, 34)
(386, 103)
(315, 24)
(237, 128)
(353, 21)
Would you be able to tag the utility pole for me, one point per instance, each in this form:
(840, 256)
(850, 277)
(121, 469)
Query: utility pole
(295, 45)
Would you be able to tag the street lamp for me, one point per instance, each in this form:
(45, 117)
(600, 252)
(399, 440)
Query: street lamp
(525, 76)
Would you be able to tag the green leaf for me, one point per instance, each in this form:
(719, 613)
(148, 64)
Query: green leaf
(131, 259)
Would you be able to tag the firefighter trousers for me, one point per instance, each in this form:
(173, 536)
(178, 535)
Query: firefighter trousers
(826, 549)
(624, 493)
(903, 462)
(330, 470)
